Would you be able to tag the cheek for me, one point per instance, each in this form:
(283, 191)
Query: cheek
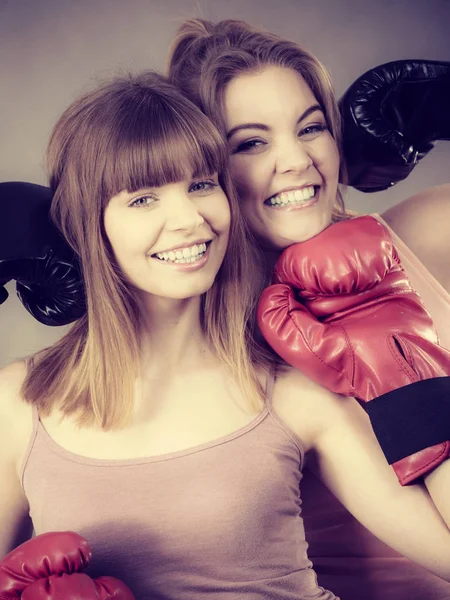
(112, 233)
(129, 238)
(225, 221)
(122, 254)
(117, 239)
(218, 215)
(248, 177)
(329, 160)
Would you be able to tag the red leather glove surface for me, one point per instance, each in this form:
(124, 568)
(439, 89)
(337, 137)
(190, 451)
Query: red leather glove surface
(344, 313)
(47, 567)
(77, 586)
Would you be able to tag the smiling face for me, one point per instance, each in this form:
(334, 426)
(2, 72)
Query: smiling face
(170, 241)
(284, 160)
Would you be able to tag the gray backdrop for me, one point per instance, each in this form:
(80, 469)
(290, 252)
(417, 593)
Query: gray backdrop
(50, 50)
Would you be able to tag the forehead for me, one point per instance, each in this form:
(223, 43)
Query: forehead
(266, 95)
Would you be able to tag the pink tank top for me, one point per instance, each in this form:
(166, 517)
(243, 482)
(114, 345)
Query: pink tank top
(219, 521)
(347, 557)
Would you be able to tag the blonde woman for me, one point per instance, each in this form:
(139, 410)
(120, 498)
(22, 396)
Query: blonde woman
(274, 102)
(155, 429)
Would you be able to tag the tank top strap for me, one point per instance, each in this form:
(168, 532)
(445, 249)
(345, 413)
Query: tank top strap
(29, 363)
(34, 431)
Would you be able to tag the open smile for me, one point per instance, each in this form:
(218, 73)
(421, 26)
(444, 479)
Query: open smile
(296, 197)
(191, 254)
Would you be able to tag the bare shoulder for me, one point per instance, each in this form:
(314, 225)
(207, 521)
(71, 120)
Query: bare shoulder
(15, 432)
(15, 413)
(422, 222)
(11, 379)
(431, 204)
(306, 407)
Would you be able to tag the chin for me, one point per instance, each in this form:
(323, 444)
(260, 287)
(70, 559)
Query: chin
(280, 241)
(192, 292)
(175, 294)
(296, 231)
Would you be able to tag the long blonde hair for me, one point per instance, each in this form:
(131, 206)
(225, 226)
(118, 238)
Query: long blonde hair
(130, 133)
(205, 57)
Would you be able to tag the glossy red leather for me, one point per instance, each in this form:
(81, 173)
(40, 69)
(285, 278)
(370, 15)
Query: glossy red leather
(343, 312)
(48, 567)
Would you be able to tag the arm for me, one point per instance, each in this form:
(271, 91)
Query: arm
(422, 223)
(438, 485)
(350, 462)
(48, 567)
(15, 432)
(345, 314)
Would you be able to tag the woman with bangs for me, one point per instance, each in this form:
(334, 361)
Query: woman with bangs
(149, 428)
(274, 102)
(110, 432)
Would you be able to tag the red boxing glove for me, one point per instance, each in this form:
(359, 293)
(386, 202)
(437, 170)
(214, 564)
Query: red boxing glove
(346, 315)
(77, 586)
(47, 567)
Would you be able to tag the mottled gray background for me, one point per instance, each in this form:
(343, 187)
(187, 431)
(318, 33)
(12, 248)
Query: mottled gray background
(50, 50)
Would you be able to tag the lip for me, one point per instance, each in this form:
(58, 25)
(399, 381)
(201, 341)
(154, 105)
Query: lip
(301, 206)
(189, 267)
(293, 188)
(186, 245)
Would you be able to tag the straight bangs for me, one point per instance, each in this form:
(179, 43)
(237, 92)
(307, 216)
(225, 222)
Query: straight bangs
(158, 143)
(130, 134)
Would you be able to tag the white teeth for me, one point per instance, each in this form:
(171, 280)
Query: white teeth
(186, 255)
(292, 197)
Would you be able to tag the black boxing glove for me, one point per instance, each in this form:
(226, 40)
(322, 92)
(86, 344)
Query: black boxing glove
(33, 252)
(392, 115)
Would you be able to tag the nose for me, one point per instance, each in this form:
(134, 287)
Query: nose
(183, 214)
(292, 156)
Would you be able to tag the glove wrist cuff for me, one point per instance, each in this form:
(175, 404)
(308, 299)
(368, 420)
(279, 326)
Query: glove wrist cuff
(411, 418)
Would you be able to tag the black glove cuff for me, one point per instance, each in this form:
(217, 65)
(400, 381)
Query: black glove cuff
(411, 418)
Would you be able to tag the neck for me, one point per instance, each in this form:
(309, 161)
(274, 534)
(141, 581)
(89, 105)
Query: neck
(172, 339)
(270, 258)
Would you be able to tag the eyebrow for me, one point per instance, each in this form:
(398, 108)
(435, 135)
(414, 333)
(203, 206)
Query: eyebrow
(306, 113)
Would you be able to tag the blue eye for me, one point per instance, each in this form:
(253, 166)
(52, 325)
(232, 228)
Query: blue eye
(203, 186)
(312, 131)
(142, 202)
(248, 145)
